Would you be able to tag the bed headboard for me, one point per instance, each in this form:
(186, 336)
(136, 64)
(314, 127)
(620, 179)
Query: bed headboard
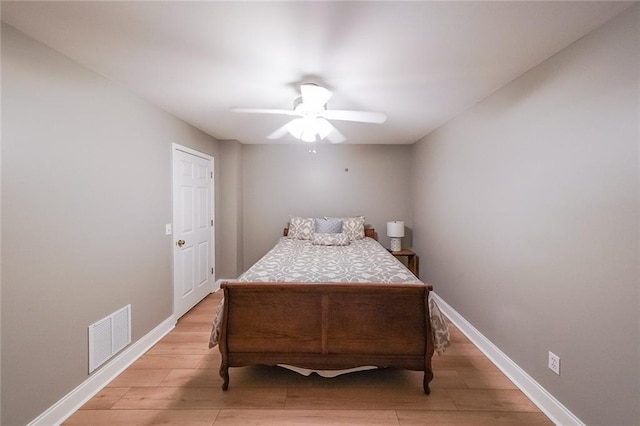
(368, 232)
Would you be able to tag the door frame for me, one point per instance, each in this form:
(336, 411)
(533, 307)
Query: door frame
(174, 148)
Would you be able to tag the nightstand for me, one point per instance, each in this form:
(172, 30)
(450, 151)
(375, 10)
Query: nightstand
(413, 262)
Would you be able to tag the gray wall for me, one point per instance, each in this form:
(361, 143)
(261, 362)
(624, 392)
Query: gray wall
(86, 192)
(526, 217)
(284, 180)
(230, 210)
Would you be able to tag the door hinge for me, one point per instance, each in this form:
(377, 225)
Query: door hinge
(211, 175)
(211, 222)
(211, 271)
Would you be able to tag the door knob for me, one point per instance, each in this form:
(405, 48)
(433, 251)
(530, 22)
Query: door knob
(180, 243)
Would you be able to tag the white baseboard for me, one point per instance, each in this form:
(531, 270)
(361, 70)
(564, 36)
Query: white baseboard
(547, 403)
(69, 404)
(216, 285)
(220, 281)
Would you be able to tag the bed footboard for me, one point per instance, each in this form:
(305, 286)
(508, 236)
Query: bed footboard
(326, 326)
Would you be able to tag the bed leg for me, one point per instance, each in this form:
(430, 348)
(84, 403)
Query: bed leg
(425, 384)
(428, 376)
(224, 373)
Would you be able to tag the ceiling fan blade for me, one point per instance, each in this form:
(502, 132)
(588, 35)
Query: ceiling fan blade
(360, 116)
(315, 96)
(323, 127)
(280, 132)
(336, 136)
(265, 111)
(329, 131)
(296, 127)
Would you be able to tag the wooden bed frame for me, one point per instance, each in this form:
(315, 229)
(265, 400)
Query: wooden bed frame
(326, 326)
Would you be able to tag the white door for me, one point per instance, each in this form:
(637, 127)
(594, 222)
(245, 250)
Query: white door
(193, 228)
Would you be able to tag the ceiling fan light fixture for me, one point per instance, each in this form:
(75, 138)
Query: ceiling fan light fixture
(309, 136)
(296, 128)
(310, 131)
(305, 128)
(324, 127)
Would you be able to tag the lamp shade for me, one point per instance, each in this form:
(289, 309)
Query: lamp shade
(395, 229)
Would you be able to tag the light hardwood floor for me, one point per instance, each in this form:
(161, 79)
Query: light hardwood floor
(177, 382)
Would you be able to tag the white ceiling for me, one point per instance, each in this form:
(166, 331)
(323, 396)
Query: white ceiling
(422, 63)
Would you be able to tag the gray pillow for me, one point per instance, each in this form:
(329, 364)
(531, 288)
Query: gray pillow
(328, 225)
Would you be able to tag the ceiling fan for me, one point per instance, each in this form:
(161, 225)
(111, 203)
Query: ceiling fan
(313, 116)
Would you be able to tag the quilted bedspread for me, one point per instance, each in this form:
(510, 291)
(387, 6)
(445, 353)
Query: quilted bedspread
(363, 260)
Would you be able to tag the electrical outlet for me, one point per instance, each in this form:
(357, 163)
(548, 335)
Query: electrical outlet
(554, 363)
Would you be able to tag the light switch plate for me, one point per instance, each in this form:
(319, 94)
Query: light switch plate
(167, 229)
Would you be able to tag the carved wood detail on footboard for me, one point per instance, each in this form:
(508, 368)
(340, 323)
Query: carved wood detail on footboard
(326, 326)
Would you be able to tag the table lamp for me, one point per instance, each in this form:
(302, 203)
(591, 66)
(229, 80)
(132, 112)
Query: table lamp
(395, 230)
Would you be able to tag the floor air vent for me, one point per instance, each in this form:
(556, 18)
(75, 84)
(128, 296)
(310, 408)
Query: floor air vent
(108, 336)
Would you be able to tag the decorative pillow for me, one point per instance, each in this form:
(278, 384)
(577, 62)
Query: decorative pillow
(327, 225)
(300, 228)
(353, 227)
(321, 239)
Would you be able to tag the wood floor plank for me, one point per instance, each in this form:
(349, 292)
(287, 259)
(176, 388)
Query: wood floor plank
(470, 418)
(366, 399)
(306, 417)
(105, 399)
(143, 417)
(166, 361)
(210, 360)
(204, 398)
(187, 337)
(486, 380)
(139, 378)
(197, 320)
(482, 363)
(198, 316)
(192, 378)
(456, 336)
(444, 379)
(463, 348)
(453, 362)
(491, 400)
(180, 348)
